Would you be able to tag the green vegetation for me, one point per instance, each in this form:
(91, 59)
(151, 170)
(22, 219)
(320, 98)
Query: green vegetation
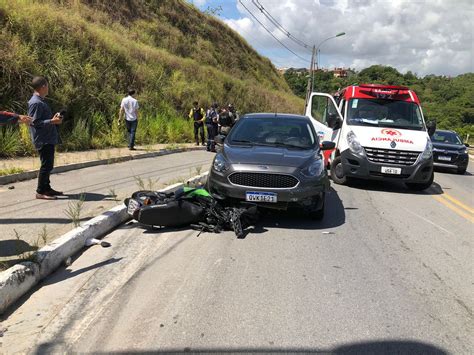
(92, 51)
(11, 171)
(448, 101)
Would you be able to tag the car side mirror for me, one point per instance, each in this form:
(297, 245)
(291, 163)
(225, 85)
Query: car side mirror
(467, 145)
(219, 139)
(328, 145)
(333, 121)
(431, 127)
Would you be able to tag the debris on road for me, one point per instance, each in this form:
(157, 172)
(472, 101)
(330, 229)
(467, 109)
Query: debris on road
(94, 241)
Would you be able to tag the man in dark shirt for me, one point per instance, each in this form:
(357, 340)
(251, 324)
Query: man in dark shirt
(13, 118)
(45, 136)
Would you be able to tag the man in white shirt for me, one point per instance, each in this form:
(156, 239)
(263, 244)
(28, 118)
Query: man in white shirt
(130, 106)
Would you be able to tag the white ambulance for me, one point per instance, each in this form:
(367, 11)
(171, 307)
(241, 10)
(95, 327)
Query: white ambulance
(379, 131)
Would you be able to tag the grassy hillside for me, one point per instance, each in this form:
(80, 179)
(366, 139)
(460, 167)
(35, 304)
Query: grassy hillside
(448, 101)
(93, 50)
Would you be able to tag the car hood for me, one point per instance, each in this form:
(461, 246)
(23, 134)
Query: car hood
(448, 146)
(267, 155)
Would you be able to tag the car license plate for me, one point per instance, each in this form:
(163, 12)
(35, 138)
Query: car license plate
(261, 197)
(132, 207)
(393, 171)
(444, 158)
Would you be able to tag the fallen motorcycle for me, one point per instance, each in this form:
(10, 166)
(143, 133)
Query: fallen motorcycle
(193, 207)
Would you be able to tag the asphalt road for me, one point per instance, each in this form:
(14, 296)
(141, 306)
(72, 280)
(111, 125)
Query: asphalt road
(386, 271)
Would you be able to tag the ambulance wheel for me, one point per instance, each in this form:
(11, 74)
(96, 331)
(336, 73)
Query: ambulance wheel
(337, 173)
(422, 186)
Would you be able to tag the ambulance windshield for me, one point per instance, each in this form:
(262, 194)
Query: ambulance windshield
(384, 113)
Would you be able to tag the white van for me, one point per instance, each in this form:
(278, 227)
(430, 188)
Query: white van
(379, 131)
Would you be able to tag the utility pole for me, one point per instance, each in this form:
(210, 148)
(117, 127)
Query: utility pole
(310, 86)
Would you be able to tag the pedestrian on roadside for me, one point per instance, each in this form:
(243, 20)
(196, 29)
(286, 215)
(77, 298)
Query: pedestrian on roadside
(233, 113)
(212, 119)
(13, 118)
(130, 106)
(225, 121)
(45, 136)
(198, 116)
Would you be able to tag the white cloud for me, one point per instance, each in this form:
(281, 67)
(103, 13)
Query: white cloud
(199, 3)
(424, 36)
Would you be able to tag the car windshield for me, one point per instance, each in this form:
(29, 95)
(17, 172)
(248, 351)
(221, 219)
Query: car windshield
(384, 113)
(446, 137)
(274, 131)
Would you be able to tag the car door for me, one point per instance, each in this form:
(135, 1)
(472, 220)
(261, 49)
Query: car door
(325, 117)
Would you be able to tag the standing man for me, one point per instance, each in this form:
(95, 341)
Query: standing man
(130, 106)
(45, 136)
(198, 116)
(212, 118)
(13, 118)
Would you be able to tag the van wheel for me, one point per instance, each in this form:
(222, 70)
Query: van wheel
(337, 173)
(422, 186)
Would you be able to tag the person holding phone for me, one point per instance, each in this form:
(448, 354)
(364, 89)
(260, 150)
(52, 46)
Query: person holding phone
(45, 136)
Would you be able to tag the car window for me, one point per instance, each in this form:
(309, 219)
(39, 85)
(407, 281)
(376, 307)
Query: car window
(446, 137)
(296, 133)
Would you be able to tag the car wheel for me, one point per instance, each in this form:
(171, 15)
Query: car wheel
(461, 171)
(422, 186)
(337, 173)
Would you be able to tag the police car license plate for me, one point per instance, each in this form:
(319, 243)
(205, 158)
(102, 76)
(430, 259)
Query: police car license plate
(270, 197)
(132, 207)
(393, 171)
(444, 158)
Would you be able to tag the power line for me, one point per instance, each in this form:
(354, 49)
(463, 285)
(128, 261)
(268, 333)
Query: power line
(279, 26)
(266, 29)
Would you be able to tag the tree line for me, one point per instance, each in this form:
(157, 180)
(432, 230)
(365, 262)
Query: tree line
(447, 100)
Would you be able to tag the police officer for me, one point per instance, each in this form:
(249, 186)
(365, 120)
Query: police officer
(212, 119)
(226, 121)
(198, 116)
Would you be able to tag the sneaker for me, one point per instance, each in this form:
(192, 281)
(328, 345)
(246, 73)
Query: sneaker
(53, 192)
(132, 148)
(203, 144)
(197, 144)
(45, 197)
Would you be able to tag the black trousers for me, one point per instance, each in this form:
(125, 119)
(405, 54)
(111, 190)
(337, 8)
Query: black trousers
(46, 154)
(211, 133)
(199, 128)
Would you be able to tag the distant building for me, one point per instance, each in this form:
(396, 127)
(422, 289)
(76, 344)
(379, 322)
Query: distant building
(340, 73)
(343, 72)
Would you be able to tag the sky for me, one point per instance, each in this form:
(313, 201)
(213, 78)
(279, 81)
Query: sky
(421, 36)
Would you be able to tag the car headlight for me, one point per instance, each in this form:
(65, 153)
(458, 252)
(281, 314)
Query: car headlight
(354, 144)
(314, 169)
(463, 151)
(220, 164)
(428, 152)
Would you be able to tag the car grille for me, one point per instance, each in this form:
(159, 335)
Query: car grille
(388, 156)
(275, 181)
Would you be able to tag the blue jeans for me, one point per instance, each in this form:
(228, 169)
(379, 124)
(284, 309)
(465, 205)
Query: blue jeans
(131, 129)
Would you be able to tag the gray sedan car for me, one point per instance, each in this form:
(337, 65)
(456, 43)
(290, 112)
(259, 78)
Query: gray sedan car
(273, 160)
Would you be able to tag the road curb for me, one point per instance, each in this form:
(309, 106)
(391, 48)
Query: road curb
(33, 174)
(20, 278)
